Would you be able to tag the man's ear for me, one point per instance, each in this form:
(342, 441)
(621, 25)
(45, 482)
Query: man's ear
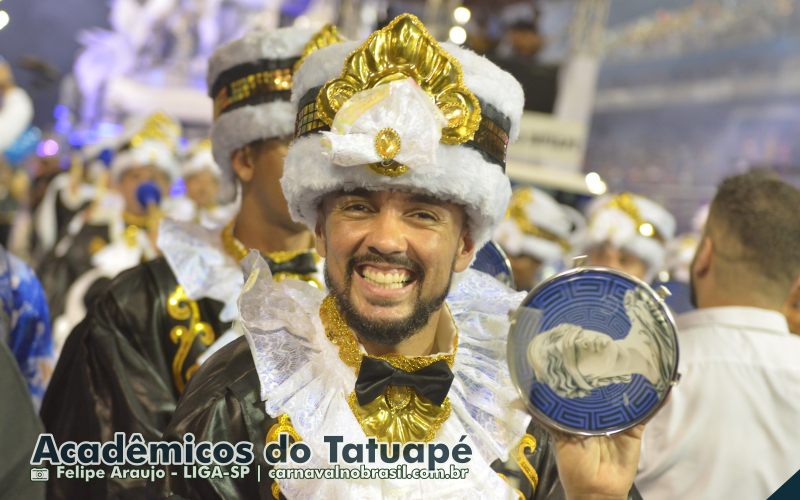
(466, 250)
(242, 164)
(704, 257)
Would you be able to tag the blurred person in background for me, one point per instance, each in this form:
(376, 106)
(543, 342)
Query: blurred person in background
(201, 203)
(729, 429)
(629, 233)
(156, 323)
(117, 230)
(26, 324)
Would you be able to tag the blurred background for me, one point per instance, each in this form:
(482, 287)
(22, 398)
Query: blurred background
(663, 98)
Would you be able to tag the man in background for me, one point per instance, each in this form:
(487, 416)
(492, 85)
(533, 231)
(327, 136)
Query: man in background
(729, 429)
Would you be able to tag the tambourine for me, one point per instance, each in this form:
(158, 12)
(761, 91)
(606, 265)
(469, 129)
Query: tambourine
(593, 351)
(492, 260)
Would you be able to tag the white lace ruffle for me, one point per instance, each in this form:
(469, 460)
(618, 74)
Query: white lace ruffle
(302, 376)
(201, 265)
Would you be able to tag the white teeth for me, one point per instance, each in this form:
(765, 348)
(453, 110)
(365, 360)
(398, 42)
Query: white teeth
(392, 279)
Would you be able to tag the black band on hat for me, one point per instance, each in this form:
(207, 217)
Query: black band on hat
(253, 83)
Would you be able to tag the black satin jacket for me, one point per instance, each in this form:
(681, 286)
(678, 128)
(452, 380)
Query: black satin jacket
(124, 367)
(223, 403)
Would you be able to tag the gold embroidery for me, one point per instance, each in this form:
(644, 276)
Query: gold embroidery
(182, 308)
(405, 49)
(96, 244)
(282, 256)
(520, 495)
(327, 35)
(283, 425)
(400, 415)
(516, 212)
(527, 445)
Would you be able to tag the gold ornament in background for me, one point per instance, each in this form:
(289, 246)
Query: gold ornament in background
(327, 35)
(516, 212)
(626, 203)
(160, 128)
(401, 50)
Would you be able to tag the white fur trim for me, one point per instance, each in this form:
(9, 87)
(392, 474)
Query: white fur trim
(258, 44)
(460, 175)
(509, 236)
(235, 129)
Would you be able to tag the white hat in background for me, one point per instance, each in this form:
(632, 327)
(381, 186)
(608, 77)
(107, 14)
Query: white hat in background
(148, 140)
(199, 159)
(250, 81)
(401, 111)
(536, 225)
(633, 223)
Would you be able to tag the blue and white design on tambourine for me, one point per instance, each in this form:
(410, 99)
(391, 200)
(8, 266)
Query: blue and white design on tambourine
(492, 260)
(593, 351)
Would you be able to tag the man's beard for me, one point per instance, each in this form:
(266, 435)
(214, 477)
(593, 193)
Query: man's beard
(386, 332)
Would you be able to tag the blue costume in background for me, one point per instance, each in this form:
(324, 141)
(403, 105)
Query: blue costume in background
(26, 323)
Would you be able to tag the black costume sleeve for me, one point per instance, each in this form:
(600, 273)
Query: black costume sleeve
(108, 379)
(122, 369)
(222, 403)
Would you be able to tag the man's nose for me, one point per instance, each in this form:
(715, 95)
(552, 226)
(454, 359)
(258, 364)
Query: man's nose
(387, 234)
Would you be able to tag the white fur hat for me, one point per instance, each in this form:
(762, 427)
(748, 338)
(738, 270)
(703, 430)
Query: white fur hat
(147, 140)
(250, 81)
(200, 159)
(536, 225)
(631, 222)
(468, 171)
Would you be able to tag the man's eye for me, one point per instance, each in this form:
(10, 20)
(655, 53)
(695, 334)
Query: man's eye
(428, 216)
(356, 207)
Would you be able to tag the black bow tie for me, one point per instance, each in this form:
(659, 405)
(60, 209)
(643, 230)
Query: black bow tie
(375, 375)
(304, 263)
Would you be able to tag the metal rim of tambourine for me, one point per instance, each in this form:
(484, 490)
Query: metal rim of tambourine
(545, 420)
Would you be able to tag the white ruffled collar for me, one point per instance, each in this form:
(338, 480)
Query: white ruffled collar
(303, 377)
(200, 263)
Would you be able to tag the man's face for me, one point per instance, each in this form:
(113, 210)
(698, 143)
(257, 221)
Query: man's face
(267, 159)
(390, 257)
(525, 269)
(608, 255)
(202, 188)
(130, 181)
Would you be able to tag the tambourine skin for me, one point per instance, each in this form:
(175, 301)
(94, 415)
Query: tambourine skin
(593, 351)
(492, 260)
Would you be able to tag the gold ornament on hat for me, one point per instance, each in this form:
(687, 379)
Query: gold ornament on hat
(516, 212)
(327, 35)
(405, 49)
(160, 128)
(626, 203)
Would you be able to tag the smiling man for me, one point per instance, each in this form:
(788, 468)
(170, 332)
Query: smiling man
(398, 166)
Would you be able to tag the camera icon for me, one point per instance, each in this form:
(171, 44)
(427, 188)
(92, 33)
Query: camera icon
(40, 474)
